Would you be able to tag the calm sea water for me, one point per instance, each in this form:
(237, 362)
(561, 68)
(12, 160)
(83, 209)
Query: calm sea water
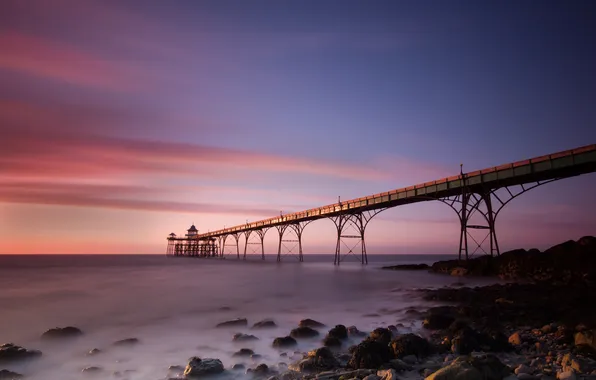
(172, 305)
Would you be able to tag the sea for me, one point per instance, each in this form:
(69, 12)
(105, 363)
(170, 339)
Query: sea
(172, 305)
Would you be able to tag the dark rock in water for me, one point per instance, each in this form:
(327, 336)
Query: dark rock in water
(126, 342)
(261, 369)
(369, 354)
(408, 267)
(317, 360)
(94, 351)
(198, 367)
(244, 337)
(339, 332)
(331, 341)
(410, 344)
(10, 352)
(9, 375)
(310, 323)
(255, 357)
(91, 370)
(238, 367)
(244, 352)
(381, 335)
(264, 324)
(440, 317)
(62, 332)
(283, 342)
(392, 328)
(355, 333)
(303, 332)
(233, 323)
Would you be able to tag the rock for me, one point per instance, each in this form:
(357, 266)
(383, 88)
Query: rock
(261, 369)
(176, 368)
(459, 271)
(62, 332)
(410, 359)
(9, 375)
(372, 377)
(198, 367)
(515, 339)
(522, 368)
(10, 352)
(456, 371)
(339, 332)
(437, 321)
(398, 365)
(238, 367)
(91, 370)
(485, 367)
(381, 335)
(238, 322)
(387, 374)
(410, 344)
(244, 352)
(239, 337)
(284, 342)
(566, 375)
(310, 323)
(526, 376)
(255, 357)
(369, 354)
(304, 332)
(264, 324)
(355, 333)
(317, 360)
(331, 341)
(586, 337)
(126, 342)
(94, 351)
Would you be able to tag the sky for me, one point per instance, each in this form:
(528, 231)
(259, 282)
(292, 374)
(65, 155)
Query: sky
(122, 121)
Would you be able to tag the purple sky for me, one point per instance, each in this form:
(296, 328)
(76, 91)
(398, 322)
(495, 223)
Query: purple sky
(122, 121)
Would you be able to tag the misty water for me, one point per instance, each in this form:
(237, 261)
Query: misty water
(173, 304)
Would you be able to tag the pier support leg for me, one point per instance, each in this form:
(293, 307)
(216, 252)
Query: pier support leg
(290, 240)
(350, 228)
(260, 241)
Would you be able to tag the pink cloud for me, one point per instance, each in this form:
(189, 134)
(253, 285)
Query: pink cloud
(45, 58)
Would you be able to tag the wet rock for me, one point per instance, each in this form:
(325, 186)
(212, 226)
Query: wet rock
(264, 324)
(522, 368)
(62, 333)
(198, 367)
(586, 337)
(339, 332)
(284, 342)
(238, 367)
(9, 375)
(255, 357)
(92, 370)
(410, 344)
(566, 375)
(486, 367)
(515, 339)
(126, 342)
(317, 360)
(243, 352)
(310, 323)
(239, 337)
(353, 332)
(381, 335)
(372, 377)
(369, 354)
(238, 322)
(261, 370)
(387, 374)
(439, 318)
(331, 341)
(304, 332)
(10, 352)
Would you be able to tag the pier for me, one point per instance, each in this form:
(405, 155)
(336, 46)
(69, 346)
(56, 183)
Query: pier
(465, 193)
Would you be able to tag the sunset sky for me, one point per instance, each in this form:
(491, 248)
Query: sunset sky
(122, 121)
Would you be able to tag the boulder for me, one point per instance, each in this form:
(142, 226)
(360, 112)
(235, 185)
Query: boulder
(485, 367)
(284, 342)
(10, 352)
(310, 323)
(353, 332)
(317, 360)
(339, 332)
(369, 354)
(238, 367)
(438, 321)
(62, 333)
(387, 374)
(238, 322)
(9, 375)
(304, 332)
(94, 351)
(515, 339)
(243, 352)
(239, 337)
(264, 324)
(381, 335)
(586, 337)
(198, 367)
(331, 341)
(126, 342)
(410, 344)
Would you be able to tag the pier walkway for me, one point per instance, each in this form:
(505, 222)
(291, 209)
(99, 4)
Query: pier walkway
(482, 192)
